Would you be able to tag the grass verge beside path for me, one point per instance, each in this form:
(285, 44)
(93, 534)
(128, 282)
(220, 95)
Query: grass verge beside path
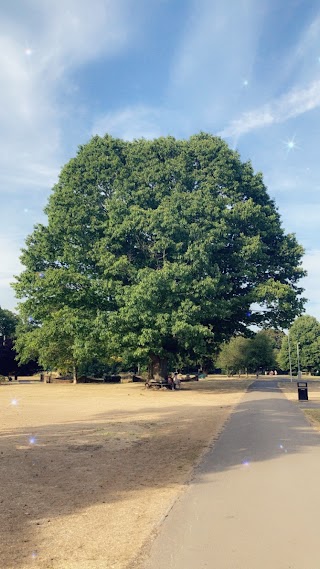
(290, 390)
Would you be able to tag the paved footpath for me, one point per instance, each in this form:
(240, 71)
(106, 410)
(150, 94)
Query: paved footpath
(255, 500)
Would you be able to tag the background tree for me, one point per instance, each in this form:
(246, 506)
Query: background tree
(165, 245)
(305, 331)
(247, 354)
(8, 323)
(260, 353)
(233, 355)
(276, 336)
(65, 341)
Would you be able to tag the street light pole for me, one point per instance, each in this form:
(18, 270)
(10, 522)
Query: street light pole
(290, 362)
(298, 357)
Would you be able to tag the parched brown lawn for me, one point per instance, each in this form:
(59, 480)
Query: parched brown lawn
(88, 471)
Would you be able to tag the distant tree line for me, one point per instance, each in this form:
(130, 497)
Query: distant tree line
(273, 349)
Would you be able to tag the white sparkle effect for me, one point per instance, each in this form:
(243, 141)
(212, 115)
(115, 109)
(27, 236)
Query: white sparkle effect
(14, 402)
(290, 144)
(32, 440)
(245, 463)
(28, 51)
(245, 83)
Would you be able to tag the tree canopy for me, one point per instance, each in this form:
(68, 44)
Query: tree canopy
(8, 323)
(305, 331)
(232, 357)
(247, 354)
(160, 248)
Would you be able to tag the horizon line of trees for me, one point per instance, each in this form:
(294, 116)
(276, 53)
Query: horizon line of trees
(264, 350)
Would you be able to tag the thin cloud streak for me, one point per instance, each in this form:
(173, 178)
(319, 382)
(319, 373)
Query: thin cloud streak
(290, 105)
(141, 122)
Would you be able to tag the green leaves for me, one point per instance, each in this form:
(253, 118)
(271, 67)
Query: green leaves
(162, 246)
(305, 331)
(247, 354)
(8, 323)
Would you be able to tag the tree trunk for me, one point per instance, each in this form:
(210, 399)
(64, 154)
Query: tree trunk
(75, 374)
(158, 367)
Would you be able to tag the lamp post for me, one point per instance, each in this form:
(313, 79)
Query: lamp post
(290, 362)
(298, 358)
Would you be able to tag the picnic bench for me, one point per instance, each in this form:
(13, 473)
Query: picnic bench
(158, 384)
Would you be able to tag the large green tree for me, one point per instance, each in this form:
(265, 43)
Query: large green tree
(163, 246)
(304, 334)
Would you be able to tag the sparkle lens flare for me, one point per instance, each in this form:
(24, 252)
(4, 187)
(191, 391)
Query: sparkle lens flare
(245, 83)
(32, 440)
(290, 144)
(34, 555)
(245, 463)
(28, 51)
(41, 275)
(14, 402)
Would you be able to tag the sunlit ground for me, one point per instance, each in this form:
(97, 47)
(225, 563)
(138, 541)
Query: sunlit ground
(89, 470)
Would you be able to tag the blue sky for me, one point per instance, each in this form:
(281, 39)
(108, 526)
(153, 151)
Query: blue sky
(247, 70)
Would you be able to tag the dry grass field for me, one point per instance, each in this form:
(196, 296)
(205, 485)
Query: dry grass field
(88, 471)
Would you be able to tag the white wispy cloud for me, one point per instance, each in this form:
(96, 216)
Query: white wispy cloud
(141, 121)
(214, 61)
(130, 123)
(309, 38)
(37, 51)
(41, 45)
(292, 104)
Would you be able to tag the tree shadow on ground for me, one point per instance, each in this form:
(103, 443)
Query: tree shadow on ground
(65, 468)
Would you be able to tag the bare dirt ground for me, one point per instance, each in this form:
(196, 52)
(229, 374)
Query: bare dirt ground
(88, 471)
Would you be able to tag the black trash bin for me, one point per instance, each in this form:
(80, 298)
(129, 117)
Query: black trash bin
(302, 390)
